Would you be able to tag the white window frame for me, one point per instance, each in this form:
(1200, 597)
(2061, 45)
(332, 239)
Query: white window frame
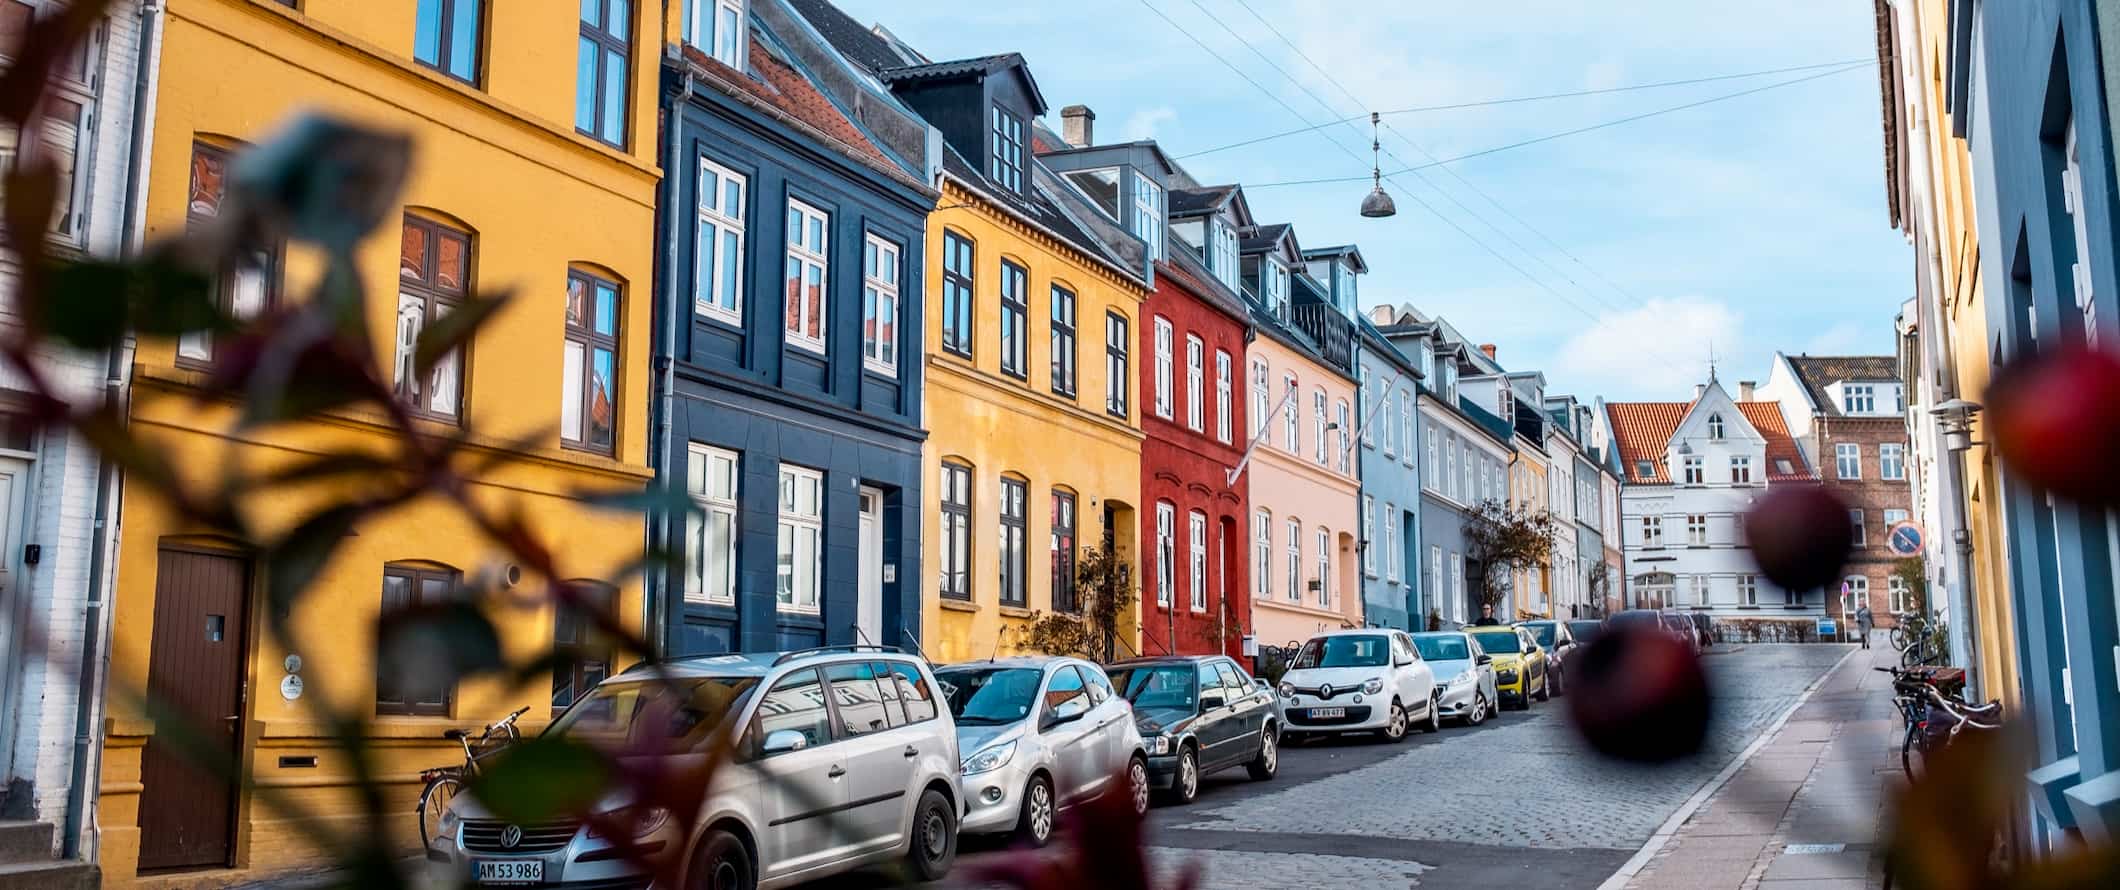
(877, 291)
(1273, 279)
(1894, 517)
(1166, 535)
(1847, 460)
(1148, 214)
(1164, 371)
(1741, 470)
(1223, 384)
(1317, 425)
(1855, 592)
(1696, 530)
(68, 223)
(1262, 554)
(1457, 585)
(1406, 427)
(701, 460)
(1222, 249)
(1715, 426)
(1291, 419)
(1652, 531)
(1695, 469)
(791, 525)
(1325, 579)
(1369, 536)
(714, 223)
(1748, 590)
(1897, 593)
(1450, 473)
(1391, 543)
(724, 44)
(1345, 442)
(1195, 383)
(1858, 398)
(1196, 525)
(1428, 474)
(1295, 559)
(1855, 518)
(807, 257)
(1892, 462)
(2080, 276)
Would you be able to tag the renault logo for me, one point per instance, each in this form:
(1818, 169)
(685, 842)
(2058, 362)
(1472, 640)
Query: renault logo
(511, 836)
(1325, 691)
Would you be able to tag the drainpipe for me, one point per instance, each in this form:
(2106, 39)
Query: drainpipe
(659, 532)
(89, 686)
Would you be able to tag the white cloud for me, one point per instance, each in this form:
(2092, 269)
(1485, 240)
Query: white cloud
(1656, 351)
(1142, 124)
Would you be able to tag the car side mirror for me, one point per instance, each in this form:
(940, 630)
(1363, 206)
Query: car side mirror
(782, 741)
(1057, 718)
(1484, 659)
(1211, 702)
(1262, 685)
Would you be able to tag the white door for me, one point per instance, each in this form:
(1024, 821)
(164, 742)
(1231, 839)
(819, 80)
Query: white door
(869, 611)
(14, 601)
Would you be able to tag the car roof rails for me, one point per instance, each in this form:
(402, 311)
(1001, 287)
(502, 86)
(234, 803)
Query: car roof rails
(786, 657)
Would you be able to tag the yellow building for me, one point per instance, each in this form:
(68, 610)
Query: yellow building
(522, 179)
(1945, 332)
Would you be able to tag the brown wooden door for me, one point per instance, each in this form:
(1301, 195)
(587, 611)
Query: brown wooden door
(195, 678)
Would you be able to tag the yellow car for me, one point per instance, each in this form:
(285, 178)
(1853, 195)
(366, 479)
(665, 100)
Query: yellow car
(1519, 663)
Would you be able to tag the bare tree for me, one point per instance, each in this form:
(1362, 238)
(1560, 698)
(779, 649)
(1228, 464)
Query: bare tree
(1506, 539)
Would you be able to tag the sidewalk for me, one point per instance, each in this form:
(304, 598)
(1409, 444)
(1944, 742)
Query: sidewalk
(1807, 810)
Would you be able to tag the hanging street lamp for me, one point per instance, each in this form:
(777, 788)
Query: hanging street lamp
(1378, 204)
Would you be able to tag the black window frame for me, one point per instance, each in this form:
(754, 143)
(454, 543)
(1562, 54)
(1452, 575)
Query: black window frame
(415, 575)
(1063, 340)
(577, 645)
(960, 292)
(606, 43)
(1005, 164)
(959, 509)
(1014, 544)
(591, 340)
(1118, 384)
(1014, 320)
(440, 301)
(444, 31)
(1063, 545)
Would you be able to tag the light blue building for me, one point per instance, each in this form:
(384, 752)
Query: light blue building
(1391, 481)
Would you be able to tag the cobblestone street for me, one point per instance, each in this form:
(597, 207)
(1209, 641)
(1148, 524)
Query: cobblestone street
(1516, 803)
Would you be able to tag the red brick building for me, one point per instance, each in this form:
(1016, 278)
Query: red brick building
(1847, 413)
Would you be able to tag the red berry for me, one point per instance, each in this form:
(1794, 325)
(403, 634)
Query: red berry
(2055, 419)
(1800, 536)
(1638, 694)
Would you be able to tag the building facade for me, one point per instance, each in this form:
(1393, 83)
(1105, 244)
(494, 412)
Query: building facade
(526, 176)
(1693, 468)
(1385, 414)
(795, 295)
(54, 490)
(1847, 414)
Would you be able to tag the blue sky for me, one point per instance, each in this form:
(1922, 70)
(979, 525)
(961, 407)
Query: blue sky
(1757, 223)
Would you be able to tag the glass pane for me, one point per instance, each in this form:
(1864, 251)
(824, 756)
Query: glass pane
(615, 21)
(412, 255)
(731, 263)
(816, 240)
(724, 477)
(450, 258)
(577, 295)
(868, 322)
(246, 297)
(606, 309)
(589, 10)
(732, 197)
(195, 345)
(814, 303)
(794, 225)
(806, 566)
(614, 129)
(696, 480)
(463, 39)
(570, 401)
(797, 704)
(726, 37)
(603, 398)
(427, 32)
(720, 547)
(207, 169)
(703, 264)
(890, 330)
(784, 574)
(585, 82)
(794, 297)
(443, 389)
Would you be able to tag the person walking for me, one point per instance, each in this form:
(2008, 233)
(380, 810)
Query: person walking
(1487, 618)
(1863, 621)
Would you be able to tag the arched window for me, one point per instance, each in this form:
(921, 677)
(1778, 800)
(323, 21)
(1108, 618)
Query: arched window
(1262, 554)
(1715, 426)
(1166, 547)
(400, 688)
(588, 416)
(434, 278)
(955, 536)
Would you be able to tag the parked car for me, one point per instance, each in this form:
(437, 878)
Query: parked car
(1198, 714)
(842, 758)
(1520, 666)
(1039, 735)
(1630, 618)
(1585, 629)
(1559, 643)
(1464, 671)
(1680, 625)
(1359, 681)
(1705, 626)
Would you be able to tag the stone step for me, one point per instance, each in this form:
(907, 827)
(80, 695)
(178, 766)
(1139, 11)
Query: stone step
(25, 842)
(49, 875)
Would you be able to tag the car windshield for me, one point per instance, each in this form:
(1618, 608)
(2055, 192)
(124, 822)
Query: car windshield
(1342, 652)
(1163, 686)
(990, 696)
(1678, 622)
(1444, 648)
(680, 714)
(1498, 643)
(1585, 631)
(1542, 632)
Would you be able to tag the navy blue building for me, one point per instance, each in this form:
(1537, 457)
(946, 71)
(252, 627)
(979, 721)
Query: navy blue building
(788, 348)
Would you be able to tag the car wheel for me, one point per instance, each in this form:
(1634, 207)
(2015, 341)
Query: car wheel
(1435, 713)
(1185, 787)
(1478, 714)
(1545, 688)
(722, 863)
(934, 842)
(1268, 762)
(1035, 824)
(1137, 782)
(1395, 727)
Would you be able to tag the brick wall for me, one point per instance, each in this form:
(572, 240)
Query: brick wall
(1871, 493)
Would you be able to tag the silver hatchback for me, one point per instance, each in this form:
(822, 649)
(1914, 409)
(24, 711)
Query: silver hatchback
(1039, 734)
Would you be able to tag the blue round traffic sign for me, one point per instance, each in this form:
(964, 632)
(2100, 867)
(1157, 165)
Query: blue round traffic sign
(1904, 539)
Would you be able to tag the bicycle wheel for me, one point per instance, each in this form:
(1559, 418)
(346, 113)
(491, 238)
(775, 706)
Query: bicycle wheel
(1910, 753)
(434, 800)
(1899, 636)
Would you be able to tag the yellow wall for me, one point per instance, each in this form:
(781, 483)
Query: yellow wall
(1001, 425)
(507, 163)
(1532, 595)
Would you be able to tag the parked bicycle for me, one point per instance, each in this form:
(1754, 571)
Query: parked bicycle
(1925, 643)
(1931, 703)
(441, 784)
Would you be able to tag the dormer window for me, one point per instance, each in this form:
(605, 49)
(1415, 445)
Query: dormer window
(1858, 398)
(716, 28)
(1715, 426)
(1222, 252)
(1148, 214)
(1273, 286)
(1005, 162)
(1645, 469)
(1100, 185)
(1343, 287)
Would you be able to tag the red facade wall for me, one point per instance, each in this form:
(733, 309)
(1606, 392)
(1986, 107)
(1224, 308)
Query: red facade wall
(1190, 471)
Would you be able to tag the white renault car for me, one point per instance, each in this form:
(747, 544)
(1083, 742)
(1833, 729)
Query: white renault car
(844, 757)
(1367, 680)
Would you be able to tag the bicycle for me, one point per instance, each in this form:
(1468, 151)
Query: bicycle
(1921, 694)
(1906, 627)
(441, 784)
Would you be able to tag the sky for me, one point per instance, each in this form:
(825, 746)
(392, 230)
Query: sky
(1616, 261)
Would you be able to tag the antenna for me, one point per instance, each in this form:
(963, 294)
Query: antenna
(1711, 361)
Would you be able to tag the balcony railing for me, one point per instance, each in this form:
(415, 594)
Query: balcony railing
(1333, 333)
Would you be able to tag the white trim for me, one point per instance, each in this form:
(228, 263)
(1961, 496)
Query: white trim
(807, 257)
(722, 222)
(711, 504)
(875, 291)
(793, 523)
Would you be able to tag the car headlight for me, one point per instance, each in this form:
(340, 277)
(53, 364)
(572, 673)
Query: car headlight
(446, 827)
(1374, 686)
(1288, 690)
(1506, 675)
(1463, 679)
(644, 821)
(990, 758)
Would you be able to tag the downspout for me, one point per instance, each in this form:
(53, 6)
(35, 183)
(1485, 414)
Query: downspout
(660, 534)
(88, 679)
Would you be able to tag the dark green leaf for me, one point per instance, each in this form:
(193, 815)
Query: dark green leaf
(32, 186)
(541, 778)
(322, 179)
(451, 331)
(92, 303)
(291, 380)
(293, 563)
(656, 498)
(447, 641)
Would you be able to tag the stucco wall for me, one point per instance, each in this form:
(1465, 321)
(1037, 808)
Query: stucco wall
(1290, 483)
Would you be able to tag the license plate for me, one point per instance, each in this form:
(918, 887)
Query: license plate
(1322, 713)
(511, 871)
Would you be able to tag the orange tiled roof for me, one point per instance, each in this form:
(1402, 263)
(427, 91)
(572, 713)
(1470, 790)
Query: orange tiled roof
(784, 88)
(1642, 430)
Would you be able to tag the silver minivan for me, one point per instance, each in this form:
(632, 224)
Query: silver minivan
(844, 758)
(1038, 735)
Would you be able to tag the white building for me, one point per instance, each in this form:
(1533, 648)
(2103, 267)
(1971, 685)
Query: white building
(1692, 469)
(50, 612)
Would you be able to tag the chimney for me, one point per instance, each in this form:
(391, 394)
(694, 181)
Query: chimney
(1488, 348)
(1383, 315)
(1078, 126)
(1744, 390)
(1699, 389)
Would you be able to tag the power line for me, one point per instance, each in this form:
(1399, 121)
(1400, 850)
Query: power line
(1513, 100)
(1566, 133)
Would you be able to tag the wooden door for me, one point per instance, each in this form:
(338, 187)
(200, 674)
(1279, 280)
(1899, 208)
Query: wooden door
(195, 672)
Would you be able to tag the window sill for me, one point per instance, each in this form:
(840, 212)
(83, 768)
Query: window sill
(949, 604)
(1016, 612)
